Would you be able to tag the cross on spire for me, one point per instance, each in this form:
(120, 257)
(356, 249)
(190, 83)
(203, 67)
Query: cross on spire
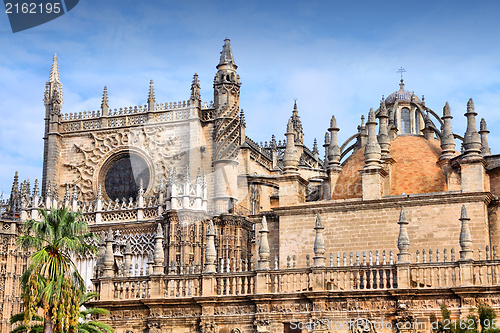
(401, 71)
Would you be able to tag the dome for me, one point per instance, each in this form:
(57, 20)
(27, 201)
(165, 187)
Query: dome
(414, 170)
(402, 95)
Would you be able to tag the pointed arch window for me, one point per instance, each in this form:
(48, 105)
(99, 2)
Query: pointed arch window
(405, 121)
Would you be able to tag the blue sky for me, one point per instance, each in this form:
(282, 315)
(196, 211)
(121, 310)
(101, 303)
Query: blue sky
(335, 57)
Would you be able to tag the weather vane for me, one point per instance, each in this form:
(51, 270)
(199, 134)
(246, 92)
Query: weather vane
(401, 70)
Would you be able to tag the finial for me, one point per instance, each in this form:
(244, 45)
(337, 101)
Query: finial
(446, 110)
(226, 55)
(104, 103)
(371, 116)
(151, 94)
(383, 108)
(465, 237)
(54, 72)
(159, 231)
(195, 88)
(333, 122)
(362, 120)
(472, 141)
(295, 111)
(289, 126)
(482, 125)
(470, 106)
(211, 228)
(242, 119)
(463, 212)
(315, 147)
(35, 188)
(327, 138)
(401, 70)
(483, 132)
(264, 224)
(274, 145)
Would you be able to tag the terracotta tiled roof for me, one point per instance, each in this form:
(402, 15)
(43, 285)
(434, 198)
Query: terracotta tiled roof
(415, 169)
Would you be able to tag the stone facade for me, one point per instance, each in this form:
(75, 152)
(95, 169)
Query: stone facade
(204, 230)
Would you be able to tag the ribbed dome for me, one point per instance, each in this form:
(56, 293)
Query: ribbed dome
(415, 169)
(401, 95)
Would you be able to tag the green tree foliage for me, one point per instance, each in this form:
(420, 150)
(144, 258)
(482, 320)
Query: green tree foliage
(51, 281)
(84, 324)
(484, 321)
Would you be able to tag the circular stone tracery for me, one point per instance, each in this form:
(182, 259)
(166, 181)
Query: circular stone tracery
(122, 174)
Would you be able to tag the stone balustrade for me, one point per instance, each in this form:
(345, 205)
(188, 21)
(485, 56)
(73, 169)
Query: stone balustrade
(129, 116)
(369, 278)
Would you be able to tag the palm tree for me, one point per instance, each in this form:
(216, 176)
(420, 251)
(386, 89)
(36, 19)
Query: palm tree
(84, 325)
(52, 281)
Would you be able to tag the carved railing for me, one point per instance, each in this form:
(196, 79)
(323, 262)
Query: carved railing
(123, 117)
(234, 284)
(182, 286)
(366, 278)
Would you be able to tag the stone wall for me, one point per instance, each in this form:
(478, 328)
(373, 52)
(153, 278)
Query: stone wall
(358, 225)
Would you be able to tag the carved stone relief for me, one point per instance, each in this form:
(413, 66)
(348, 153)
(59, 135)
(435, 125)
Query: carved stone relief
(151, 141)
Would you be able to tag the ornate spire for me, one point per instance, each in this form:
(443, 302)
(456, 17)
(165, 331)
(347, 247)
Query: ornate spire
(226, 55)
(195, 88)
(53, 89)
(447, 138)
(333, 149)
(104, 103)
(54, 71)
(273, 144)
(243, 122)
(319, 244)
(264, 246)
(403, 239)
(372, 148)
(383, 135)
(297, 125)
(483, 132)
(151, 96)
(35, 189)
(472, 141)
(315, 147)
(465, 237)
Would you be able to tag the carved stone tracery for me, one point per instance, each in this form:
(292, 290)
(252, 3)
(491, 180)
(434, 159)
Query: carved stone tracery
(149, 141)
